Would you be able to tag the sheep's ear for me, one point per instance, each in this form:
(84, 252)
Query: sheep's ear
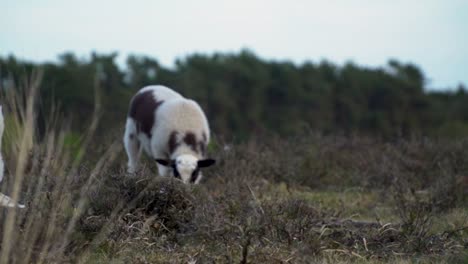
(164, 162)
(206, 163)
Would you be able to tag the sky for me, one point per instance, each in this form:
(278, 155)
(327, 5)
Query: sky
(432, 34)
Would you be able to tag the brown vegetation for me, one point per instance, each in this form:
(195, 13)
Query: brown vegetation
(325, 199)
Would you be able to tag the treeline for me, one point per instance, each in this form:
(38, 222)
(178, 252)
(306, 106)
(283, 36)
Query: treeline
(244, 95)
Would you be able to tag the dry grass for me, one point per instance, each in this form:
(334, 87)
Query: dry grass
(312, 199)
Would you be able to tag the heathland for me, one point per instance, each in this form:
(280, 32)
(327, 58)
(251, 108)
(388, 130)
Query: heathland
(316, 164)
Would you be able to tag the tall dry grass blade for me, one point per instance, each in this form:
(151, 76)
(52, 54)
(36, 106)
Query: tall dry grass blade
(26, 144)
(58, 249)
(102, 164)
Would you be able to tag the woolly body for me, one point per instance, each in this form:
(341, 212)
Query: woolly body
(167, 126)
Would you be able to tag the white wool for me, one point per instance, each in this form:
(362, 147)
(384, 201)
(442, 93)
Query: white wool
(162, 92)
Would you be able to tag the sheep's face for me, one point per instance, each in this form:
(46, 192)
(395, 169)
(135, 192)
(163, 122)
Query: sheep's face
(186, 167)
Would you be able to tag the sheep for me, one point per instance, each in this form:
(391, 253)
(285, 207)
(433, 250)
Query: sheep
(4, 200)
(170, 129)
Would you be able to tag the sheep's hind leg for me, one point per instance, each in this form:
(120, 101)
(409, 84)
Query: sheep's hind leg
(132, 147)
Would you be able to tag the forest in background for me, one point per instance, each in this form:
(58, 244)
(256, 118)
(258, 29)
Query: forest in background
(245, 96)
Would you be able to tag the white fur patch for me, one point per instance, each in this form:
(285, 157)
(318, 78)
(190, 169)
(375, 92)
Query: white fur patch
(186, 165)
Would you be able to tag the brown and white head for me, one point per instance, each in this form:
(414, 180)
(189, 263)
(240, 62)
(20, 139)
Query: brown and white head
(186, 167)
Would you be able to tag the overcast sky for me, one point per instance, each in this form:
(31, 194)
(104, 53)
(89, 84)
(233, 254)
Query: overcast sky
(432, 34)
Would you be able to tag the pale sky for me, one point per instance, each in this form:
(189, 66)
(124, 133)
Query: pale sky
(432, 34)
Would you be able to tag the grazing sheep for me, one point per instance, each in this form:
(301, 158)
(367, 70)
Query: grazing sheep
(171, 129)
(4, 200)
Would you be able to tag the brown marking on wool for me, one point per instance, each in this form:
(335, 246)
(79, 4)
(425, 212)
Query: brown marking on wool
(172, 143)
(142, 110)
(191, 140)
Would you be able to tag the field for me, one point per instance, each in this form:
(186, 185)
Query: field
(305, 199)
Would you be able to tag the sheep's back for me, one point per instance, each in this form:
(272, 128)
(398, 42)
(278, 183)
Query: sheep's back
(181, 115)
(181, 122)
(145, 103)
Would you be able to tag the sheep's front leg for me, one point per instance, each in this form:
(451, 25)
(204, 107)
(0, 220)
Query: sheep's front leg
(163, 170)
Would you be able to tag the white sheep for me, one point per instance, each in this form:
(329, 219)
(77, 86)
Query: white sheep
(171, 129)
(4, 200)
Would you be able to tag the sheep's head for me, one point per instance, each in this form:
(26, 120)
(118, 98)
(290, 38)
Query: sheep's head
(186, 167)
